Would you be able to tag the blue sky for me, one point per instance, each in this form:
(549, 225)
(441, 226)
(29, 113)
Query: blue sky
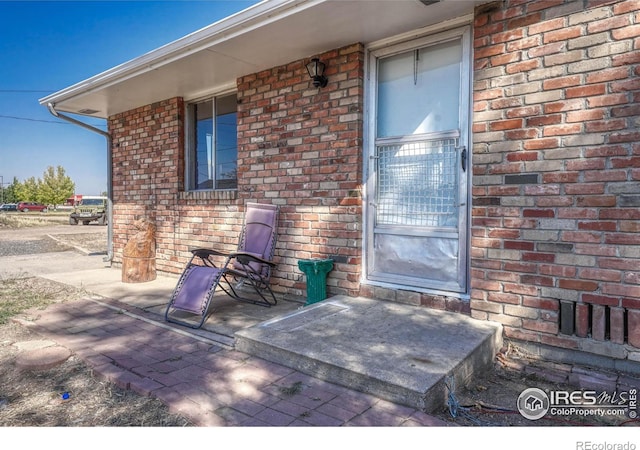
(46, 46)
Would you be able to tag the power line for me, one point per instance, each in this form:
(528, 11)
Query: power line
(41, 120)
(27, 91)
(30, 120)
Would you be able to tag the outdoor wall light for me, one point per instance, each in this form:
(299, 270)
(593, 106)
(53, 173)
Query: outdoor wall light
(315, 67)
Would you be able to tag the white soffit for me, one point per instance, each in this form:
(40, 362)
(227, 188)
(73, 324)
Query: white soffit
(271, 33)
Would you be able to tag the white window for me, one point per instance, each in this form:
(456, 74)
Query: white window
(212, 144)
(430, 74)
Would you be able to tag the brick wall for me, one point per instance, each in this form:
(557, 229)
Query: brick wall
(555, 232)
(148, 168)
(298, 147)
(301, 148)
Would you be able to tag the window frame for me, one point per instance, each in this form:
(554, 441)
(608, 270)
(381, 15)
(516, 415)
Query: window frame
(190, 141)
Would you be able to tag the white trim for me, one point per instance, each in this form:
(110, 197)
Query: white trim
(467, 127)
(219, 91)
(393, 140)
(446, 26)
(422, 41)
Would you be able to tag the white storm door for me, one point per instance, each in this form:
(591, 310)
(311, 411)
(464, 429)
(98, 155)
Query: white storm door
(418, 171)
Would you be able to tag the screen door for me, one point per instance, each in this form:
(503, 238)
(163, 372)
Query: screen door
(417, 186)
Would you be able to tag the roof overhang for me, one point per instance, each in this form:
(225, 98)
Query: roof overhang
(268, 34)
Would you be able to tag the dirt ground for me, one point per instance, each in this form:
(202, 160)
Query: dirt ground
(491, 400)
(35, 398)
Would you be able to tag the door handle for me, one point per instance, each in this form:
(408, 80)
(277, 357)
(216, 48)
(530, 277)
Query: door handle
(463, 159)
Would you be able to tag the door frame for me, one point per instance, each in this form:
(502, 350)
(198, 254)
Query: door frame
(387, 48)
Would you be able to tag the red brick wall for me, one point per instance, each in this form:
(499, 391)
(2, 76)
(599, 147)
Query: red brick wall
(555, 235)
(148, 168)
(298, 147)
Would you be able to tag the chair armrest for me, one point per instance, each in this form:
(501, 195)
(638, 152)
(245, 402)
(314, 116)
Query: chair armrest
(206, 252)
(246, 258)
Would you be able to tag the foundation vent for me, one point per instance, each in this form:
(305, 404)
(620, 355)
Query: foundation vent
(599, 322)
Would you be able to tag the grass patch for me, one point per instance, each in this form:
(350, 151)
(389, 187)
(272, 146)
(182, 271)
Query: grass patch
(19, 294)
(33, 398)
(23, 220)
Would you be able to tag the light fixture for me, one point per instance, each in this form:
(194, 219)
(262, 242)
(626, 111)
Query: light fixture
(315, 67)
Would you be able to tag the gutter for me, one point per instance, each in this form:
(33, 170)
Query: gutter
(52, 110)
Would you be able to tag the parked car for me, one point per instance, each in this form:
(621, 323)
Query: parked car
(31, 206)
(89, 209)
(8, 207)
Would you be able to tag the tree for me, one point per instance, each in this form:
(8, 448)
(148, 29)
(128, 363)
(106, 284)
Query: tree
(27, 191)
(9, 193)
(56, 187)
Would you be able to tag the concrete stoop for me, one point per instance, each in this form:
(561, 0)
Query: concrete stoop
(405, 354)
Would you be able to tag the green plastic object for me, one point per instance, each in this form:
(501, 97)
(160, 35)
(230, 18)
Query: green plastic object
(316, 271)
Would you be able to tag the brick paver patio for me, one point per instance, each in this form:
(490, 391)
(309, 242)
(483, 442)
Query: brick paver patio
(209, 384)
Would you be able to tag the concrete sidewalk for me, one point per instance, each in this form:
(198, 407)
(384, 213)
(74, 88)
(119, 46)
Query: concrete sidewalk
(118, 330)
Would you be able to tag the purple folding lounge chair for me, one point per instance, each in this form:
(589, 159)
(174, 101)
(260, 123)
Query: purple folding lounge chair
(248, 267)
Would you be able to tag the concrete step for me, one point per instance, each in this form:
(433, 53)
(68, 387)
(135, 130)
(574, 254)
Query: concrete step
(401, 353)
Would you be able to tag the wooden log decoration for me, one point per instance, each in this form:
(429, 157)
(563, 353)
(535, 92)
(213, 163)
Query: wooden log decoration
(139, 255)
